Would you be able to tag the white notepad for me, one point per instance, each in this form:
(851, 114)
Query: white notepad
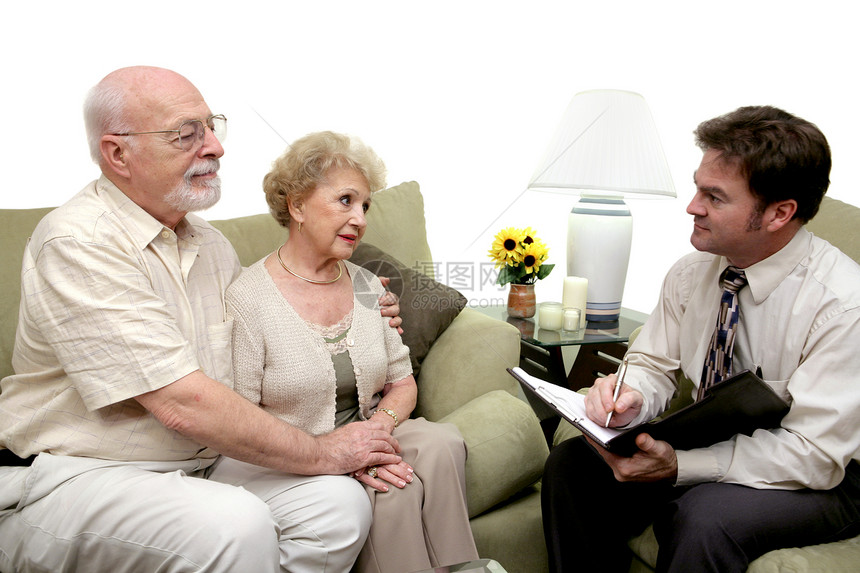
(569, 404)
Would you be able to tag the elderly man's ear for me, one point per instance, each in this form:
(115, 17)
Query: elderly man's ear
(114, 156)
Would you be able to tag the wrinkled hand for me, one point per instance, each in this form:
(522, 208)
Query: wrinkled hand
(399, 475)
(357, 446)
(598, 402)
(655, 461)
(390, 306)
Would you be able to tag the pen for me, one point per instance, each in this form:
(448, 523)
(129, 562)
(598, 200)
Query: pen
(619, 380)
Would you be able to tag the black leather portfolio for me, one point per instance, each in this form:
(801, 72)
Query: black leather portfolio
(738, 405)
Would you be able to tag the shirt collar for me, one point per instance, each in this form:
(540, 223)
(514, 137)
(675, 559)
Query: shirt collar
(764, 276)
(143, 227)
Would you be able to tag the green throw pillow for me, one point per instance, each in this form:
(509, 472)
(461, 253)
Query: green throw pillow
(427, 307)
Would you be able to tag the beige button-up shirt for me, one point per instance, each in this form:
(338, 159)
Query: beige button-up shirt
(800, 323)
(114, 305)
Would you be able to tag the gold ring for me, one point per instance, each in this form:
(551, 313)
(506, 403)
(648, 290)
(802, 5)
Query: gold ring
(371, 471)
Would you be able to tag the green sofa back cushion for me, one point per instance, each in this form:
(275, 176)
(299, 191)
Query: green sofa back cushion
(16, 225)
(838, 223)
(253, 237)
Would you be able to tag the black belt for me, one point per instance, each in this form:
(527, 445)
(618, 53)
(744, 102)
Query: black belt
(7, 458)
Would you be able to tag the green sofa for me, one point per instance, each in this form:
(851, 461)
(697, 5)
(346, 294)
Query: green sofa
(462, 377)
(838, 223)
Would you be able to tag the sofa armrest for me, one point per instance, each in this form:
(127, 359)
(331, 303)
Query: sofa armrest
(505, 444)
(469, 359)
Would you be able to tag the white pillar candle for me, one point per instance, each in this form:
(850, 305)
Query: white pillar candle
(549, 316)
(575, 296)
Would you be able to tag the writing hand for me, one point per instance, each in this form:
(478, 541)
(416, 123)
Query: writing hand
(655, 461)
(599, 402)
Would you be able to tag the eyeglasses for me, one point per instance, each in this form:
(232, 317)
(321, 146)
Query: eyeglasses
(191, 133)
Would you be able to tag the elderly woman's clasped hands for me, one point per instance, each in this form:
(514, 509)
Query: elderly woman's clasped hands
(376, 474)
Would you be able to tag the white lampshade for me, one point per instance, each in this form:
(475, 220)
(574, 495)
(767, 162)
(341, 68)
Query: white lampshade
(605, 148)
(607, 142)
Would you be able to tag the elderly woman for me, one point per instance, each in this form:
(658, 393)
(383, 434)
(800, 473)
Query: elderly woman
(309, 349)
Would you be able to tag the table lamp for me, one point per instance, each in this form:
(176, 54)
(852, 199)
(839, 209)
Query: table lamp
(605, 149)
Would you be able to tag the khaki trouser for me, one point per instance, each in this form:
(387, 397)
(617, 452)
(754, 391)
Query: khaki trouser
(425, 524)
(77, 514)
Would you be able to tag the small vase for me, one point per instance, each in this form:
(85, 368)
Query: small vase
(521, 301)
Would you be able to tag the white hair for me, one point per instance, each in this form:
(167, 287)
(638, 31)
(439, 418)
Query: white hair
(104, 112)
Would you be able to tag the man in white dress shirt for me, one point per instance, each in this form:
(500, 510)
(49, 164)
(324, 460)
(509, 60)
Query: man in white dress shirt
(762, 176)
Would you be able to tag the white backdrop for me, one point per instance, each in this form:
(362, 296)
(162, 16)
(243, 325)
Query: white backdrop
(459, 96)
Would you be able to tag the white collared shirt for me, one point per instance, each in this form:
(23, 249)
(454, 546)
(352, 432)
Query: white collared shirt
(800, 323)
(114, 304)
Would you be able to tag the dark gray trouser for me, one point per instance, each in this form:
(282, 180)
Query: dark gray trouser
(588, 517)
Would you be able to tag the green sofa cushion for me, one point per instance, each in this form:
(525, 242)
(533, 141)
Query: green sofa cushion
(521, 548)
(840, 556)
(474, 351)
(493, 424)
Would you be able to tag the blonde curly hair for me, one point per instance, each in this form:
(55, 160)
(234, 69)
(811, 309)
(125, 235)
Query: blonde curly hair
(303, 166)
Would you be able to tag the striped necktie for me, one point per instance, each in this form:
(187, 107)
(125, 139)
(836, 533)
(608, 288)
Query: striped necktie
(718, 363)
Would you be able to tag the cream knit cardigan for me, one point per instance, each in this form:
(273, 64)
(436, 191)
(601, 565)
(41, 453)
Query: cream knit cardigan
(282, 365)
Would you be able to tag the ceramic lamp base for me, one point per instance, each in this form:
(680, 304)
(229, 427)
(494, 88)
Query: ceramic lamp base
(599, 235)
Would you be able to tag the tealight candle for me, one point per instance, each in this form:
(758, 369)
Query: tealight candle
(550, 315)
(571, 319)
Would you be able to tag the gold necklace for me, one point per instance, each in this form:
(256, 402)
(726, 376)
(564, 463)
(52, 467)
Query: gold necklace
(312, 281)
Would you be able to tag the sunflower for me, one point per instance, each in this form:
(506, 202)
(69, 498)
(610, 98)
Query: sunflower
(519, 255)
(507, 247)
(534, 254)
(529, 236)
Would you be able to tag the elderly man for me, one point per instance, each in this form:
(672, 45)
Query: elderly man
(122, 384)
(792, 303)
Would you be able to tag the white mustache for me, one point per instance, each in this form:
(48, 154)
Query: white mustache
(202, 168)
(185, 198)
